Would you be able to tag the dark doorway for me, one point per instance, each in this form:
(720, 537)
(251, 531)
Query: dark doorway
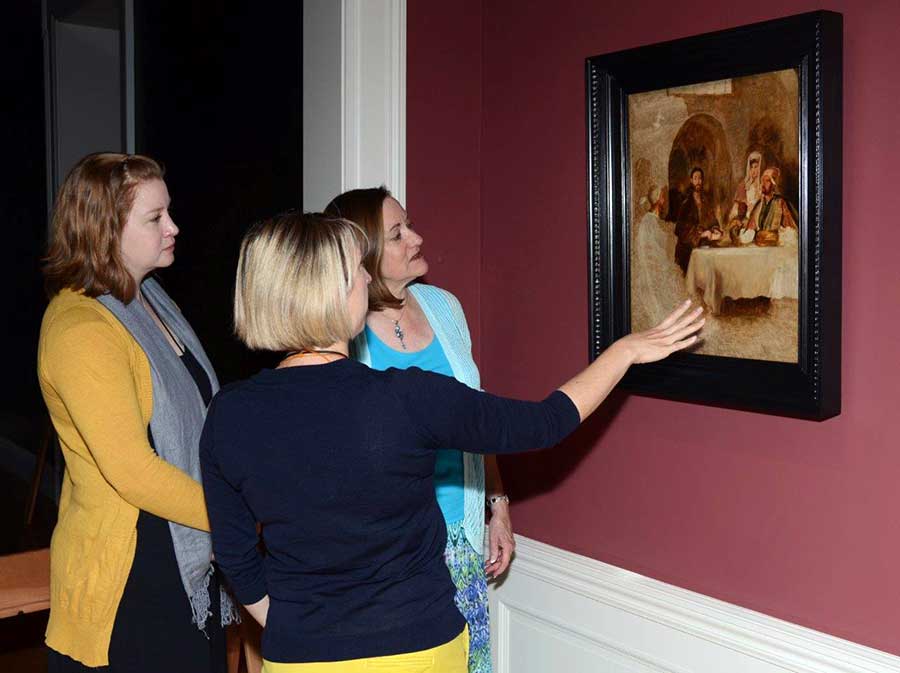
(86, 81)
(217, 99)
(23, 210)
(218, 102)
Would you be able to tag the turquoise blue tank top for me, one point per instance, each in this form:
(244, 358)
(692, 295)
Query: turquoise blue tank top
(448, 469)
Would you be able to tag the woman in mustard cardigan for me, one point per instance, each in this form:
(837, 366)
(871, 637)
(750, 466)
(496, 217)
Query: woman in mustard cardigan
(127, 385)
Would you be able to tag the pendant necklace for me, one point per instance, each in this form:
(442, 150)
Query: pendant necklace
(398, 331)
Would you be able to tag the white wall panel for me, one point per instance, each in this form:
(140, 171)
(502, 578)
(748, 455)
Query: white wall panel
(558, 611)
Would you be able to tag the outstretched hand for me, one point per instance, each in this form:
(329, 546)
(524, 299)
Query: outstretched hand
(675, 333)
(590, 387)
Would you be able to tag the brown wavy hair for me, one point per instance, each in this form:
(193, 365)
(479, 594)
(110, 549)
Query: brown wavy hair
(363, 206)
(90, 212)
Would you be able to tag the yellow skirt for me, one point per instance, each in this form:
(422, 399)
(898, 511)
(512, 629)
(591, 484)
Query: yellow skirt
(450, 657)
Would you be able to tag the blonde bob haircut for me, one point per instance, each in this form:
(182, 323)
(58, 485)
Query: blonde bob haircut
(294, 273)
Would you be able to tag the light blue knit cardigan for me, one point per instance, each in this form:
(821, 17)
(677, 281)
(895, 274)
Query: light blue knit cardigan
(447, 319)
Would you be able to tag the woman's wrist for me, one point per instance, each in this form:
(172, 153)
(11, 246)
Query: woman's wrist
(621, 348)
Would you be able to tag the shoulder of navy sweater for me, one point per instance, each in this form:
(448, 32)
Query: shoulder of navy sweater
(343, 372)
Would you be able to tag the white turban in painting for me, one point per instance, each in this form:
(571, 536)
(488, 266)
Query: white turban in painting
(774, 175)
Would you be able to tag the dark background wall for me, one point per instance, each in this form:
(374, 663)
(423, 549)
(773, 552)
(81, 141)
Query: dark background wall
(218, 102)
(23, 209)
(218, 93)
(23, 198)
(792, 518)
(87, 88)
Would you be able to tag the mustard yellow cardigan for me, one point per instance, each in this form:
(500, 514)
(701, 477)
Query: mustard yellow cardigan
(96, 382)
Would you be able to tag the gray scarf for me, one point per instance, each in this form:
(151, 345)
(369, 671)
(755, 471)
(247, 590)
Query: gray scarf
(176, 424)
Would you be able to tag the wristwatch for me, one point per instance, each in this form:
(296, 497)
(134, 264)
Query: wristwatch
(494, 499)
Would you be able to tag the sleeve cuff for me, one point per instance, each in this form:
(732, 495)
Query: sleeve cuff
(249, 594)
(566, 412)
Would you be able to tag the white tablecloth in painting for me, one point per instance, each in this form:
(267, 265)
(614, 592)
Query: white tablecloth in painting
(743, 273)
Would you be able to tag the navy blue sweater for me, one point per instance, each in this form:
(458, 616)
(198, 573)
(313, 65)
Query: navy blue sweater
(336, 462)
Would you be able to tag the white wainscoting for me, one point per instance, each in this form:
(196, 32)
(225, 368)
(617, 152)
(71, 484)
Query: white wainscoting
(560, 612)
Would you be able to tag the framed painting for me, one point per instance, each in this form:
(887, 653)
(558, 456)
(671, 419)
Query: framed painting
(715, 174)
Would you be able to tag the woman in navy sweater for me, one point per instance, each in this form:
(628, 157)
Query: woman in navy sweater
(336, 460)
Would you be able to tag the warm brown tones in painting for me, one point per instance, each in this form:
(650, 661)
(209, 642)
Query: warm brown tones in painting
(714, 187)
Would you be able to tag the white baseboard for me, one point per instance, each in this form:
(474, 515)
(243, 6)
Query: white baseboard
(558, 611)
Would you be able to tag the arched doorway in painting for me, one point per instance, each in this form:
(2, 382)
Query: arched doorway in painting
(700, 142)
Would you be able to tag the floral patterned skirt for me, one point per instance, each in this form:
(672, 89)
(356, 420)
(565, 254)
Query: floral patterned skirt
(467, 571)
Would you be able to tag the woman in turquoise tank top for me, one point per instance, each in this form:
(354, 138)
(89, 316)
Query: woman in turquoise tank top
(416, 325)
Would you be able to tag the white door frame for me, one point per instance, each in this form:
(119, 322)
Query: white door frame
(365, 144)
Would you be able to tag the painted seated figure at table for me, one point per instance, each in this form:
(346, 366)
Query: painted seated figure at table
(762, 262)
(656, 279)
(748, 192)
(653, 229)
(696, 224)
(773, 218)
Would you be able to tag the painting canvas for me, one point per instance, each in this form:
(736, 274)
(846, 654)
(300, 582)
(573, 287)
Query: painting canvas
(714, 187)
(714, 174)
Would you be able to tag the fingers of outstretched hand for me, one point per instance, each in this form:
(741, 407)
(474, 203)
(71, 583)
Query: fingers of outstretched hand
(683, 322)
(674, 315)
(686, 331)
(653, 347)
(684, 343)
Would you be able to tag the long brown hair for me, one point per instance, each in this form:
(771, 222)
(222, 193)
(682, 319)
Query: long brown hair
(86, 227)
(363, 206)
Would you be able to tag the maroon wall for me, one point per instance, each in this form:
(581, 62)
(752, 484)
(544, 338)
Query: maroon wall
(796, 519)
(444, 143)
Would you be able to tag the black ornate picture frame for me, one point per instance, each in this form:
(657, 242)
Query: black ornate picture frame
(810, 45)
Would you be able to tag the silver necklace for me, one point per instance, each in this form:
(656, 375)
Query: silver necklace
(398, 331)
